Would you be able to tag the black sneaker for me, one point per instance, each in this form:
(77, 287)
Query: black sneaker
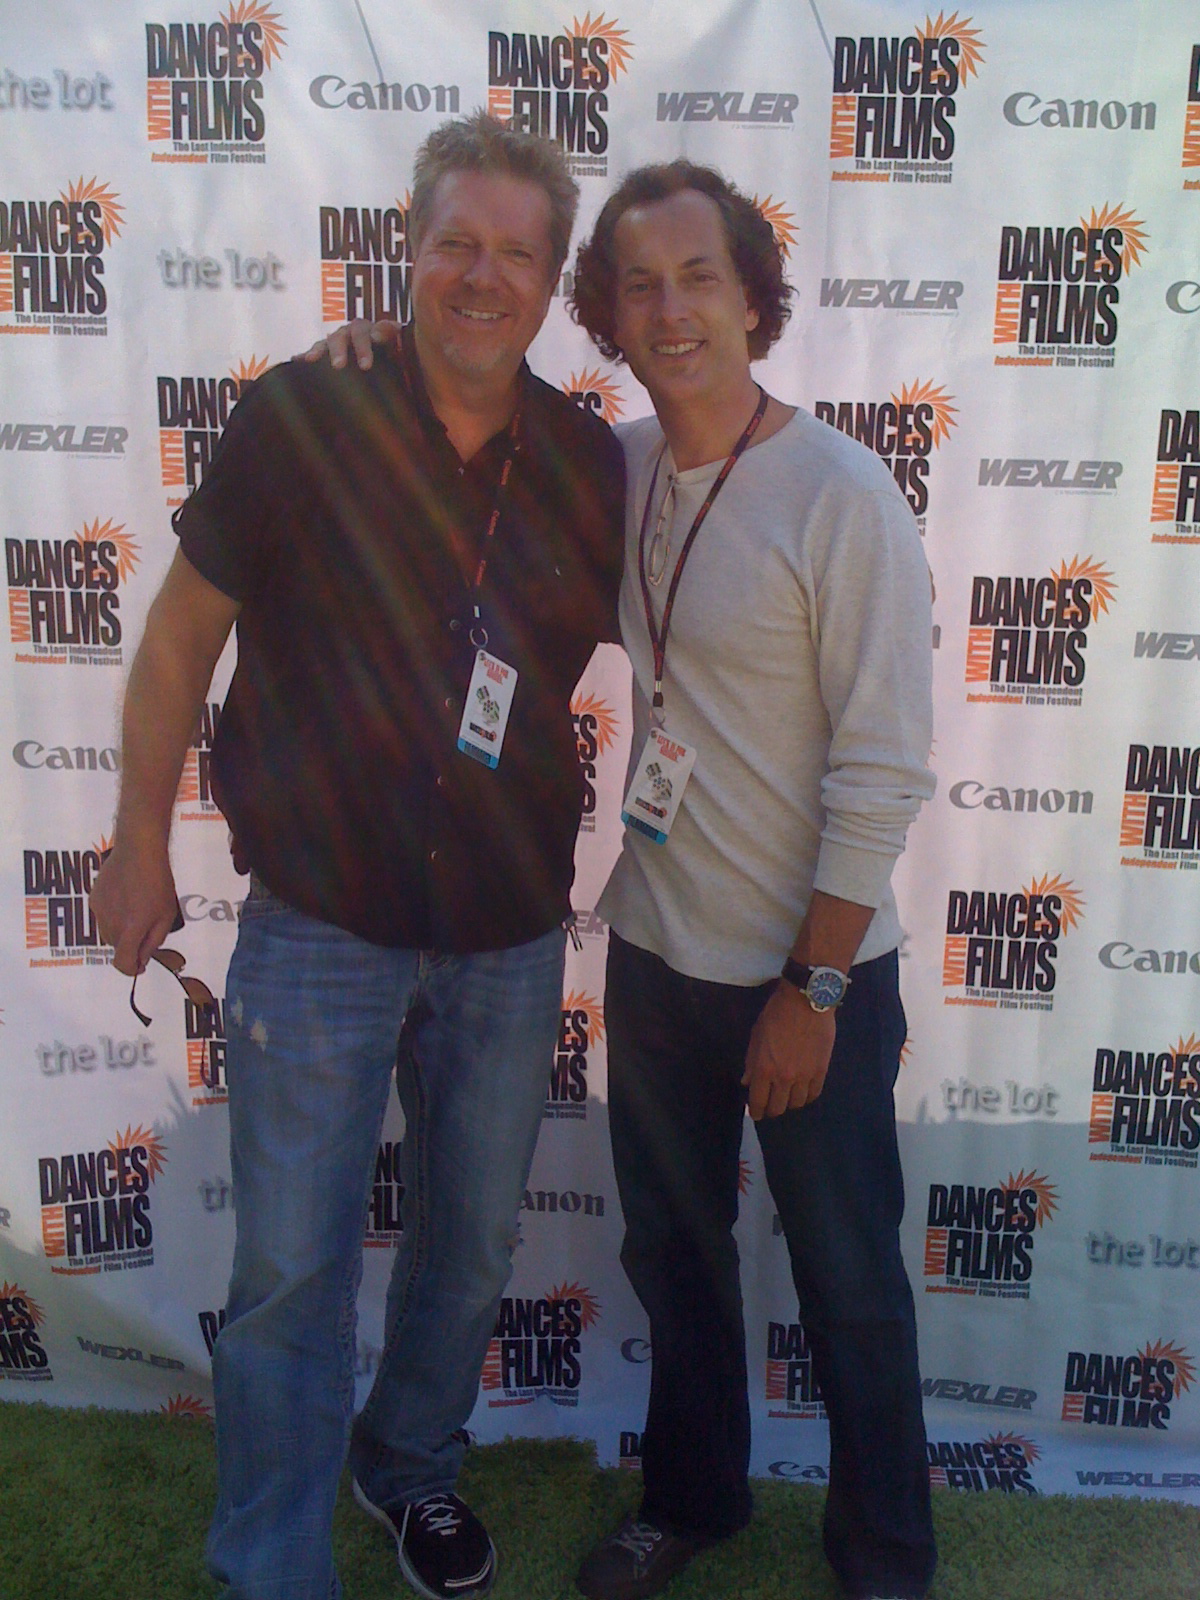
(443, 1549)
(636, 1561)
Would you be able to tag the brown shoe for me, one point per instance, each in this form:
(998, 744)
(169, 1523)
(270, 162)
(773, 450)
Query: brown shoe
(636, 1561)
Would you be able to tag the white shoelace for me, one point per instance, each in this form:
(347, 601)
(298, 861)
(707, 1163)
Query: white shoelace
(639, 1538)
(437, 1515)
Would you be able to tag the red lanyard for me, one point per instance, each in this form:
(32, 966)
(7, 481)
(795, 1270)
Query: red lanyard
(658, 636)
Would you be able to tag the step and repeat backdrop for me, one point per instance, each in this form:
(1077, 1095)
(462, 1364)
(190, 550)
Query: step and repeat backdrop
(992, 222)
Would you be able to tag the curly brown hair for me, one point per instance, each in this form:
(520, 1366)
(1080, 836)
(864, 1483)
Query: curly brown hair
(756, 253)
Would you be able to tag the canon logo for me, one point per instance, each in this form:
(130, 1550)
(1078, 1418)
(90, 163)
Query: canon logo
(971, 795)
(795, 1473)
(1022, 110)
(1184, 296)
(28, 753)
(636, 1351)
(1122, 957)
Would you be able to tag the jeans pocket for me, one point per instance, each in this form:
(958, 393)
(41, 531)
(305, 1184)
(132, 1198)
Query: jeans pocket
(261, 901)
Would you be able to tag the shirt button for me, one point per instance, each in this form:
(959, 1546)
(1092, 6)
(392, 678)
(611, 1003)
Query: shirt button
(433, 855)
(449, 703)
(455, 624)
(441, 782)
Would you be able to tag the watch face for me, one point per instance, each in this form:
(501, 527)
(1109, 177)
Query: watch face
(826, 987)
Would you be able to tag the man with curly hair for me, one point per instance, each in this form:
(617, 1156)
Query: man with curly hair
(775, 607)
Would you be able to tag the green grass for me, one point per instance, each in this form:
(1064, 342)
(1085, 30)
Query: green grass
(102, 1504)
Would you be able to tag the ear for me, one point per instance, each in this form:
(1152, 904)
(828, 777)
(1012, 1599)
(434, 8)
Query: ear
(752, 318)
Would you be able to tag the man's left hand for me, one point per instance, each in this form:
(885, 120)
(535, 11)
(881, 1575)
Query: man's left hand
(788, 1055)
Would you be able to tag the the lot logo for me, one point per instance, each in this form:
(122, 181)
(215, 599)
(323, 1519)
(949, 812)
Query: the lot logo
(537, 1347)
(596, 393)
(90, 441)
(903, 431)
(96, 1204)
(1001, 1461)
(1146, 1106)
(23, 1357)
(52, 260)
(1000, 949)
(791, 1389)
(194, 801)
(1126, 1391)
(192, 413)
(1027, 637)
(204, 1037)
(64, 595)
(1176, 495)
(74, 93)
(979, 1241)
(1057, 289)
(595, 732)
(60, 930)
(1191, 123)
(1160, 817)
(557, 86)
(366, 262)
(895, 101)
(581, 1028)
(384, 1222)
(204, 85)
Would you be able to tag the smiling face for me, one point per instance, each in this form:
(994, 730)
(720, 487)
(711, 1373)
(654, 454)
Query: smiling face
(681, 315)
(482, 278)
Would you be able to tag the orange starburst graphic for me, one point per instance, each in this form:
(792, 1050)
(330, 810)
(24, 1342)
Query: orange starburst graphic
(404, 205)
(781, 220)
(1185, 1367)
(1186, 1047)
(1031, 1451)
(589, 1306)
(155, 1150)
(617, 39)
(1047, 1194)
(269, 21)
(14, 1291)
(1100, 578)
(1072, 901)
(945, 416)
(970, 40)
(102, 846)
(592, 1008)
(1134, 231)
(112, 216)
(128, 553)
(745, 1177)
(605, 717)
(589, 382)
(186, 1408)
(247, 371)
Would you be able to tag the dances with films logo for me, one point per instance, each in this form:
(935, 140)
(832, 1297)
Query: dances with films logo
(580, 1030)
(1027, 636)
(23, 1357)
(557, 86)
(1058, 289)
(366, 262)
(1176, 495)
(1001, 949)
(792, 1390)
(1191, 122)
(192, 413)
(60, 929)
(1001, 1461)
(537, 1347)
(96, 1204)
(1146, 1106)
(903, 431)
(979, 1241)
(64, 595)
(204, 1041)
(52, 260)
(595, 724)
(1160, 816)
(895, 101)
(384, 1220)
(194, 801)
(1126, 1391)
(204, 85)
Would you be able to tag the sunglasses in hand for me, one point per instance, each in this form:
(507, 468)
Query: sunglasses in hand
(197, 991)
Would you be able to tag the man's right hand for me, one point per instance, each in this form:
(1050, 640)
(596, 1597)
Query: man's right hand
(355, 338)
(134, 902)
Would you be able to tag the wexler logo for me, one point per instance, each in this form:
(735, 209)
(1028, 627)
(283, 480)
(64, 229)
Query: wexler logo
(96, 1204)
(792, 1390)
(194, 801)
(1028, 636)
(895, 101)
(1126, 1391)
(92, 441)
(64, 595)
(52, 261)
(1160, 817)
(557, 86)
(366, 262)
(1001, 949)
(1057, 289)
(745, 108)
(204, 1041)
(1176, 495)
(60, 929)
(581, 1029)
(204, 85)
(1146, 1106)
(1001, 1461)
(903, 431)
(192, 413)
(1191, 121)
(537, 1347)
(979, 1241)
(595, 724)
(23, 1357)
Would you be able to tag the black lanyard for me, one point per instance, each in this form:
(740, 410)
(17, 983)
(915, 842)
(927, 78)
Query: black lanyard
(658, 635)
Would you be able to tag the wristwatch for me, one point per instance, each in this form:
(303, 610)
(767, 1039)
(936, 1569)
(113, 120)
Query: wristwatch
(823, 987)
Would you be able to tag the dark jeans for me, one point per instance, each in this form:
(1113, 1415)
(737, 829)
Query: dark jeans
(676, 1052)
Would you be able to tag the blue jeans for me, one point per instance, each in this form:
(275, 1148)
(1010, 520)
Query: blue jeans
(313, 1018)
(676, 1052)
